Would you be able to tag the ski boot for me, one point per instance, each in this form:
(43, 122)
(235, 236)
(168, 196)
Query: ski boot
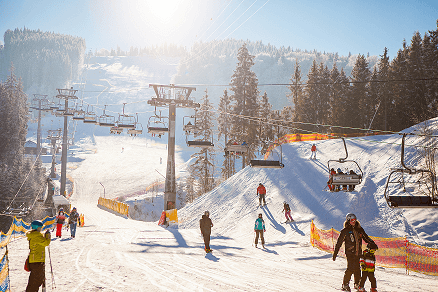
(345, 287)
(356, 287)
(361, 289)
(373, 290)
(263, 246)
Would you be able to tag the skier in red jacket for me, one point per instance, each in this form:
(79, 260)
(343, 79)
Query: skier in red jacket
(313, 150)
(261, 192)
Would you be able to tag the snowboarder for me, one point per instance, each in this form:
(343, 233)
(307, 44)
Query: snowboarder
(367, 263)
(60, 219)
(286, 210)
(37, 255)
(313, 152)
(259, 229)
(352, 235)
(205, 224)
(261, 192)
(73, 221)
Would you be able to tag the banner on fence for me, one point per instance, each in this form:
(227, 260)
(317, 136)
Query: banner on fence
(392, 253)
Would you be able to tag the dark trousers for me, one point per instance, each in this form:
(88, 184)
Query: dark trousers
(353, 268)
(206, 240)
(262, 197)
(37, 276)
(259, 233)
(369, 275)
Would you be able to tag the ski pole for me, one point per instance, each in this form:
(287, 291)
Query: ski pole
(51, 268)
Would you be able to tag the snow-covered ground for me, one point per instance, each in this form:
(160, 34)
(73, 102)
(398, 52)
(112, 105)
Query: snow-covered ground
(113, 253)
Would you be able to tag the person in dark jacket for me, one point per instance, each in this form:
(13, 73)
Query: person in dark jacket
(37, 255)
(73, 221)
(205, 224)
(352, 235)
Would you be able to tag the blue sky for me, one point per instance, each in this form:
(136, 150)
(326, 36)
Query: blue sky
(328, 26)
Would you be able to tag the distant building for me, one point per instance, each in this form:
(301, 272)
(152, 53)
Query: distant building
(30, 148)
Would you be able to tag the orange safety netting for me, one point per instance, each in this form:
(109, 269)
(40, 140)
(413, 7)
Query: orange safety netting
(392, 253)
(289, 138)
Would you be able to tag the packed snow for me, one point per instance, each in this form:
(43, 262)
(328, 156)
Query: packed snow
(113, 253)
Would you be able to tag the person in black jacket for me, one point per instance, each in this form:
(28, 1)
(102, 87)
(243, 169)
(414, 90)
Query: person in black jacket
(352, 235)
(205, 224)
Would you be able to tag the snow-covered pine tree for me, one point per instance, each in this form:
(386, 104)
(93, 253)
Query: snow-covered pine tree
(228, 166)
(203, 167)
(244, 84)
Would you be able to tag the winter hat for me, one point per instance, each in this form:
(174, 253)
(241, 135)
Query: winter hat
(339, 170)
(206, 213)
(61, 210)
(36, 224)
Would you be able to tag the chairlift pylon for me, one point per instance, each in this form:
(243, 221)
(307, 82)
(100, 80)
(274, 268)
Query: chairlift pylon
(417, 184)
(351, 178)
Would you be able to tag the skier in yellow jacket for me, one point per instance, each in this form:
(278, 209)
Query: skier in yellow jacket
(37, 255)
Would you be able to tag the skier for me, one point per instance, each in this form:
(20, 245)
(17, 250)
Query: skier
(261, 192)
(352, 235)
(286, 210)
(60, 219)
(259, 229)
(37, 255)
(338, 187)
(367, 263)
(205, 224)
(73, 221)
(351, 187)
(313, 152)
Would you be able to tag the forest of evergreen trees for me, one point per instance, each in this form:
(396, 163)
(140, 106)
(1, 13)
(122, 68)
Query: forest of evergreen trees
(43, 60)
(22, 178)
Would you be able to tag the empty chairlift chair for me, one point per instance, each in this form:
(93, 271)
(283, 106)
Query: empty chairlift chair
(408, 187)
(269, 163)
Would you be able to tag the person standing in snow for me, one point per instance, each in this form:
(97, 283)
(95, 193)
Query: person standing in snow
(73, 221)
(313, 152)
(368, 265)
(286, 210)
(37, 255)
(352, 235)
(205, 224)
(261, 192)
(60, 219)
(259, 229)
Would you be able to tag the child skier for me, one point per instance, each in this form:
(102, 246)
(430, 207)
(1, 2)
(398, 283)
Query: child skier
(286, 210)
(259, 229)
(367, 263)
(60, 219)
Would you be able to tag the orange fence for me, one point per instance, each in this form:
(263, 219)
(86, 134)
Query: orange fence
(118, 207)
(290, 138)
(392, 253)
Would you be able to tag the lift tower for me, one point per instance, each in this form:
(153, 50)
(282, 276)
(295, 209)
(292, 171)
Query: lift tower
(172, 96)
(65, 94)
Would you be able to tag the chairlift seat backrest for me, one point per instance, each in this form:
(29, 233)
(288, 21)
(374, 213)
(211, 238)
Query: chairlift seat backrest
(346, 179)
(266, 164)
(237, 148)
(410, 201)
(158, 130)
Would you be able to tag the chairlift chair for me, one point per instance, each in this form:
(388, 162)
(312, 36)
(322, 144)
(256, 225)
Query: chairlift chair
(138, 129)
(189, 127)
(237, 148)
(89, 116)
(126, 121)
(156, 126)
(79, 113)
(116, 130)
(268, 163)
(106, 120)
(345, 179)
(416, 187)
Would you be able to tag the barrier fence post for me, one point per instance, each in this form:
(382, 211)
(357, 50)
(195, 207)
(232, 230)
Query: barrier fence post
(407, 255)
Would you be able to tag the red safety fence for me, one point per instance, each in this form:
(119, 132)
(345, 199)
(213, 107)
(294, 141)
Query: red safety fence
(392, 253)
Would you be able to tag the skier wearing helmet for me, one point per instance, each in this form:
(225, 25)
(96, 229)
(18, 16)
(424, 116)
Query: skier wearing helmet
(205, 224)
(37, 255)
(259, 229)
(352, 235)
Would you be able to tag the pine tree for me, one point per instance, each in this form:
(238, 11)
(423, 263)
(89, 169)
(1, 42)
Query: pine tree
(339, 99)
(297, 95)
(203, 167)
(228, 165)
(384, 92)
(244, 85)
(360, 104)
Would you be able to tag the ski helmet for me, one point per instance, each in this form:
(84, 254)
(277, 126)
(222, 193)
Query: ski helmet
(61, 209)
(206, 213)
(350, 216)
(339, 170)
(36, 224)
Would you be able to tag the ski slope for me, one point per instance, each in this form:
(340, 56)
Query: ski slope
(112, 253)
